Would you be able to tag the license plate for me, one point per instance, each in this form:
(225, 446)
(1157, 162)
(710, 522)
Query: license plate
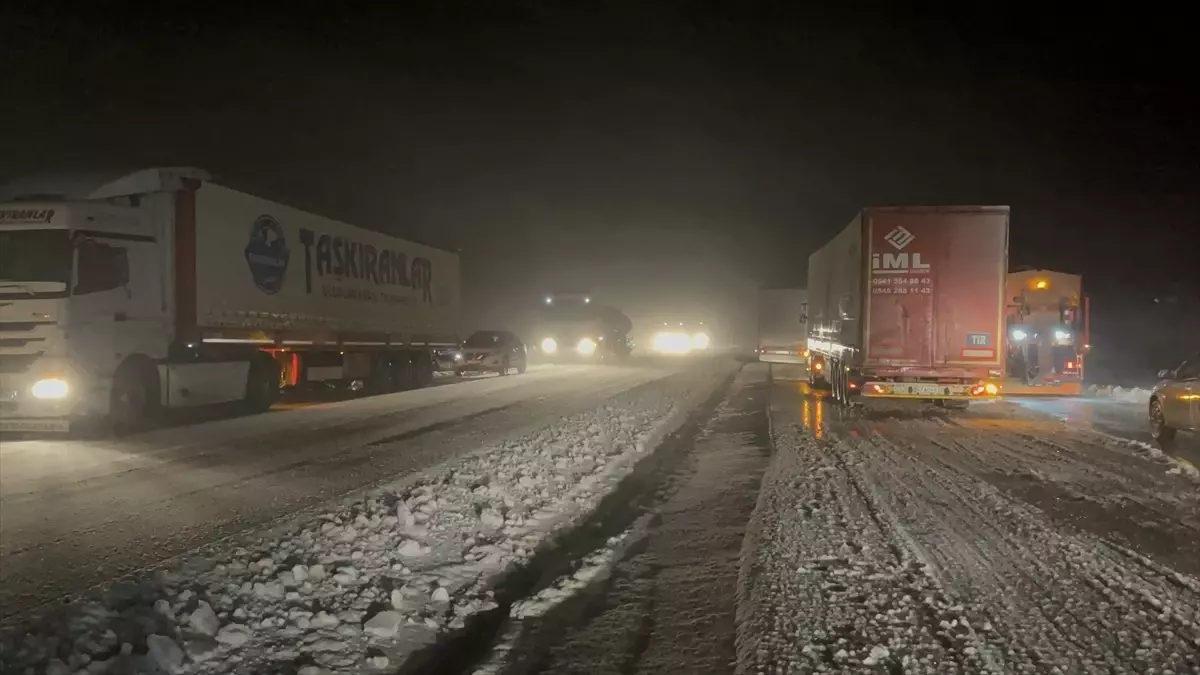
(922, 389)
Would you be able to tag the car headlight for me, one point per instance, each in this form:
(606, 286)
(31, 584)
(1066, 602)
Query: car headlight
(549, 345)
(586, 347)
(1062, 334)
(458, 356)
(700, 341)
(1018, 334)
(50, 388)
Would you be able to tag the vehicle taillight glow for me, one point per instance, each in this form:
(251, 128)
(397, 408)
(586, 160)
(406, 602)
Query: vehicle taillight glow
(1070, 365)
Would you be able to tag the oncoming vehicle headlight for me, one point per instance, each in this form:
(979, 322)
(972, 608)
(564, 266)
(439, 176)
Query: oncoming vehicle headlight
(700, 341)
(1018, 334)
(668, 342)
(50, 388)
(1061, 334)
(586, 347)
(549, 345)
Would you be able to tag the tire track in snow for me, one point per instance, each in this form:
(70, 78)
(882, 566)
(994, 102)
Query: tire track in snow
(984, 583)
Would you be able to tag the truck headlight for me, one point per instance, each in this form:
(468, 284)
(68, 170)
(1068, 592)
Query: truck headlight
(50, 388)
(1061, 334)
(700, 341)
(668, 342)
(1018, 334)
(586, 347)
(549, 345)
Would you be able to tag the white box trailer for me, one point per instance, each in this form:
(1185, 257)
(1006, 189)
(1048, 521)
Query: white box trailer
(124, 295)
(783, 325)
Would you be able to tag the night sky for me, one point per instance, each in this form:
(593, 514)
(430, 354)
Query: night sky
(670, 156)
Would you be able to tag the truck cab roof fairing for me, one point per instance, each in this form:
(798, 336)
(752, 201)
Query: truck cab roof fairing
(86, 186)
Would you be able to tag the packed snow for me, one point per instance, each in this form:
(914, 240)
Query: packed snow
(984, 543)
(357, 588)
(1123, 394)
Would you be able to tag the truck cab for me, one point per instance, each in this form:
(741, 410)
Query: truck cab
(1047, 325)
(82, 294)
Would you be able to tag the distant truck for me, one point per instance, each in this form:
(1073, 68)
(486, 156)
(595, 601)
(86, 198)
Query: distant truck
(908, 302)
(1047, 336)
(122, 296)
(783, 325)
(572, 328)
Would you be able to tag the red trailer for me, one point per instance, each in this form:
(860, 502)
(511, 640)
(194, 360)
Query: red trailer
(908, 302)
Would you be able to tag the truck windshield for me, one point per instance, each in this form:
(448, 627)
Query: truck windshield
(35, 256)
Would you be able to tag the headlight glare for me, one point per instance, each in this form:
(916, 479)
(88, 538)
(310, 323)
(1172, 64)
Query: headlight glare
(586, 347)
(50, 388)
(549, 345)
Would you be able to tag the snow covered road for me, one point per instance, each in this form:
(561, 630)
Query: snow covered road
(1121, 417)
(992, 541)
(74, 514)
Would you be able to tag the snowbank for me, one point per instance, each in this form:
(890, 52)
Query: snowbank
(357, 588)
(1126, 394)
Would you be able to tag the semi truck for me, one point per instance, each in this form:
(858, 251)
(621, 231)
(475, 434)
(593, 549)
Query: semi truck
(783, 325)
(1047, 333)
(123, 296)
(908, 302)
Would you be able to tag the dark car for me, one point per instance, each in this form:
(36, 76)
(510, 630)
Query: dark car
(492, 351)
(1175, 401)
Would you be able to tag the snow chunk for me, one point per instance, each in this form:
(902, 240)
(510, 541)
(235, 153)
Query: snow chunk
(324, 620)
(204, 620)
(378, 662)
(491, 518)
(440, 594)
(411, 548)
(164, 652)
(878, 654)
(272, 590)
(300, 574)
(234, 634)
(384, 624)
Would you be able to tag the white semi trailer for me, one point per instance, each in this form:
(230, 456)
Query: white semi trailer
(122, 296)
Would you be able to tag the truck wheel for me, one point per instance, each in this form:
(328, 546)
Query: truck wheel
(504, 367)
(382, 379)
(262, 384)
(1162, 433)
(404, 372)
(424, 368)
(135, 402)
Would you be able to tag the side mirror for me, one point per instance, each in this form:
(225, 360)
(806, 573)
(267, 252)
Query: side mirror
(1166, 374)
